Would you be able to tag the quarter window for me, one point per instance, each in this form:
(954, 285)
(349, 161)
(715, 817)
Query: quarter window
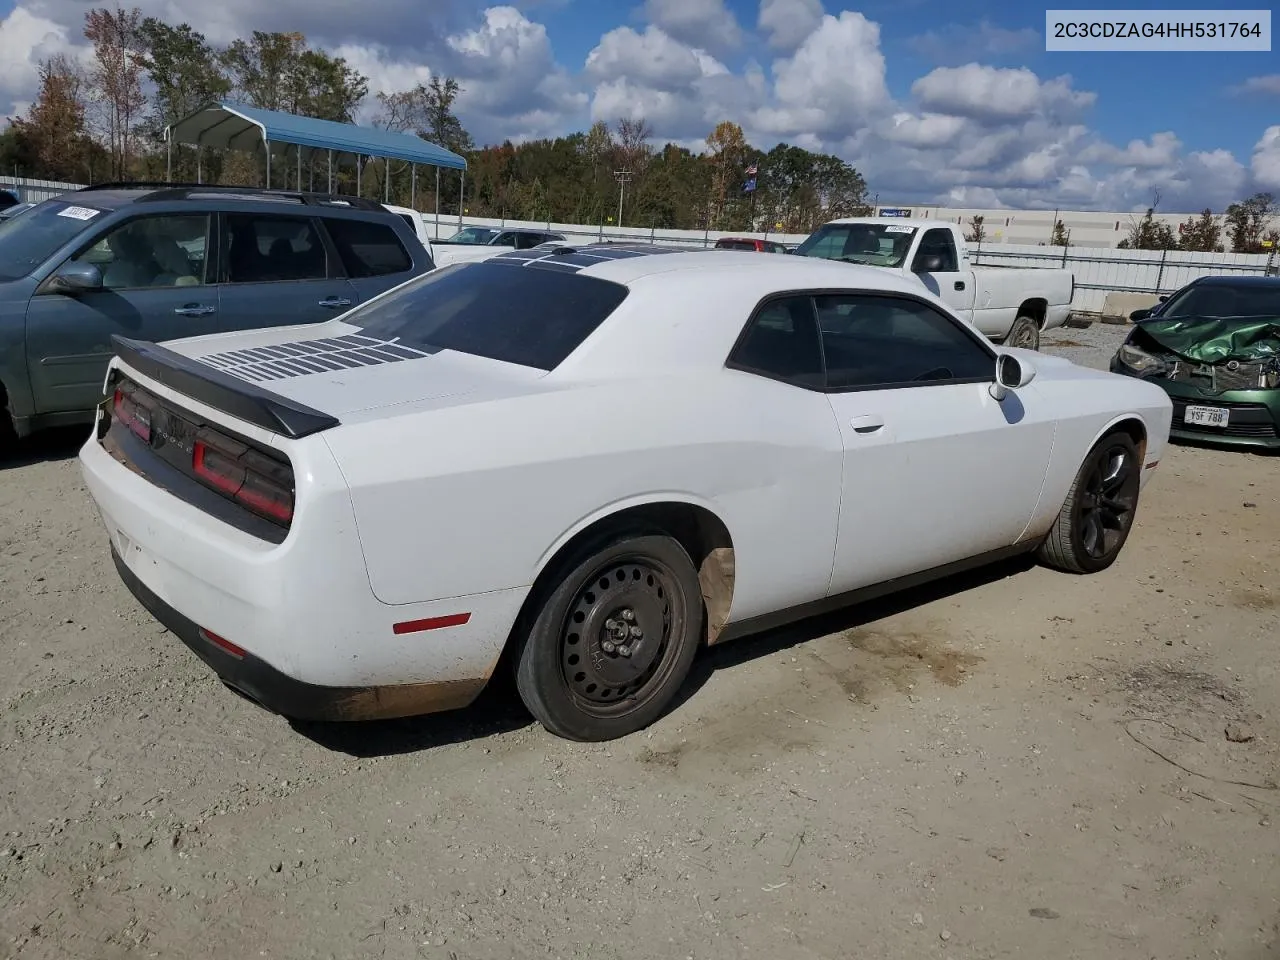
(877, 341)
(782, 343)
(368, 249)
(264, 249)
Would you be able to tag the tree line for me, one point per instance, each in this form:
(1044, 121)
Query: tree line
(104, 120)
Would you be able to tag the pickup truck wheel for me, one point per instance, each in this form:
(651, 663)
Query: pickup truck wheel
(1024, 334)
(613, 642)
(1096, 517)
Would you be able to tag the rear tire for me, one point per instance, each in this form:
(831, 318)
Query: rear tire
(613, 642)
(1024, 334)
(1098, 514)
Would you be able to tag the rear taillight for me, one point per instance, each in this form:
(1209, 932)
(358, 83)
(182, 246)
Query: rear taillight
(133, 414)
(252, 479)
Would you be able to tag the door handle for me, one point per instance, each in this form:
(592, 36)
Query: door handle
(867, 424)
(194, 310)
(335, 302)
(959, 284)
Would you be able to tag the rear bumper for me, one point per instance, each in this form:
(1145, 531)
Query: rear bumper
(282, 694)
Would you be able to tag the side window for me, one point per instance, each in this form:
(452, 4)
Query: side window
(261, 248)
(160, 251)
(876, 341)
(782, 342)
(937, 243)
(505, 240)
(368, 249)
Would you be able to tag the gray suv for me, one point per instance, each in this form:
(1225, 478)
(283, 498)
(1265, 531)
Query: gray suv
(159, 262)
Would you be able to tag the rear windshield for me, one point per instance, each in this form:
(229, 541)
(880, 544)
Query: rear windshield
(527, 315)
(29, 240)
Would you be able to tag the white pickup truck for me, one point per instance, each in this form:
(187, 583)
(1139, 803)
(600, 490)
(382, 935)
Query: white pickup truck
(444, 254)
(1009, 305)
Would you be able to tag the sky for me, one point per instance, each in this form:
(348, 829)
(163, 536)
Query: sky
(933, 101)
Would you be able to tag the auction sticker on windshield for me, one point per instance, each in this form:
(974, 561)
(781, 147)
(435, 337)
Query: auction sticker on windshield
(79, 213)
(894, 228)
(1207, 416)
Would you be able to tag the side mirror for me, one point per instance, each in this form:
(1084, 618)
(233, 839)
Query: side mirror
(1163, 299)
(931, 263)
(1138, 315)
(1012, 373)
(73, 279)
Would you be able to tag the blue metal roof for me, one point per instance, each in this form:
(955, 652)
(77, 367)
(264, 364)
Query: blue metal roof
(236, 126)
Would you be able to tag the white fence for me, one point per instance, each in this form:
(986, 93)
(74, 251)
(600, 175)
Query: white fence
(1098, 270)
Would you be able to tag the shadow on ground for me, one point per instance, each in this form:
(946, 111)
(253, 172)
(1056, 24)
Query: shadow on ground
(47, 446)
(498, 710)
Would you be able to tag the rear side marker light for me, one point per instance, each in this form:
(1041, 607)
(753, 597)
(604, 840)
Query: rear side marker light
(431, 623)
(223, 644)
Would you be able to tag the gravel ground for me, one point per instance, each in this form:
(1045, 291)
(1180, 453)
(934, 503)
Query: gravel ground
(1014, 763)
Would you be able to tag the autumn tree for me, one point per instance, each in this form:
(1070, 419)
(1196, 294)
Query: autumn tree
(977, 232)
(632, 145)
(727, 146)
(54, 133)
(116, 77)
(1201, 233)
(1247, 222)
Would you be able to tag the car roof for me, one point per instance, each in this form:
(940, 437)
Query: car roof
(629, 263)
(1227, 280)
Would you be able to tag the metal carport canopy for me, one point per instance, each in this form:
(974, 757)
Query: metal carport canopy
(235, 126)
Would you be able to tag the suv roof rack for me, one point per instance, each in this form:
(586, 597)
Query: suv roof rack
(162, 190)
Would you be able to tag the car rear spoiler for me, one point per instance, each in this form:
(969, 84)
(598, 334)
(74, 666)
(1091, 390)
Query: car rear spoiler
(231, 395)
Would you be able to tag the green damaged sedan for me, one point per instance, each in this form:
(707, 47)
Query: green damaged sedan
(1214, 346)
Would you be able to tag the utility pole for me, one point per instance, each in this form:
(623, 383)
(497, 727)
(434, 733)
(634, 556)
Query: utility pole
(623, 177)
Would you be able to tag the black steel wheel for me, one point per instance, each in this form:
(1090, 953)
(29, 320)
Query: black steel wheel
(1024, 334)
(1098, 514)
(613, 641)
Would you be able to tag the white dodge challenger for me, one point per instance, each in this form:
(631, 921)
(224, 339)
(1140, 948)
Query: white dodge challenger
(585, 463)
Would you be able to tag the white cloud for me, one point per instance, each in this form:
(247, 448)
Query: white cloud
(653, 59)
(26, 39)
(833, 83)
(1161, 152)
(995, 95)
(1268, 84)
(703, 23)
(786, 23)
(1266, 160)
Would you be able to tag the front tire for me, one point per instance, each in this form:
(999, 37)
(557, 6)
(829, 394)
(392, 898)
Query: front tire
(613, 642)
(1024, 334)
(1098, 514)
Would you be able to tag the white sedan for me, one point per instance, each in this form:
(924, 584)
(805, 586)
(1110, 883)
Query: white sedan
(584, 463)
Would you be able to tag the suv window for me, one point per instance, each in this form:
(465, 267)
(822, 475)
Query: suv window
(878, 341)
(531, 317)
(262, 248)
(368, 249)
(169, 250)
(782, 342)
(29, 240)
(937, 243)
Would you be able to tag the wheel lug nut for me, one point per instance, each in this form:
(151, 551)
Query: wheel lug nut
(628, 616)
(608, 647)
(637, 633)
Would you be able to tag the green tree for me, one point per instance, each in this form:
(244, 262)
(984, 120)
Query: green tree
(977, 231)
(1148, 233)
(1247, 222)
(1061, 236)
(1202, 233)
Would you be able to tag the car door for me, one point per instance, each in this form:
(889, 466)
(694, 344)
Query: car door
(155, 273)
(936, 470)
(278, 269)
(947, 282)
(371, 255)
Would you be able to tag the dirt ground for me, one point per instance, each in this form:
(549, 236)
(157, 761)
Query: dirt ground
(1018, 763)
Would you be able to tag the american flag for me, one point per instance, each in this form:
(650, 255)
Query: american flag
(751, 170)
